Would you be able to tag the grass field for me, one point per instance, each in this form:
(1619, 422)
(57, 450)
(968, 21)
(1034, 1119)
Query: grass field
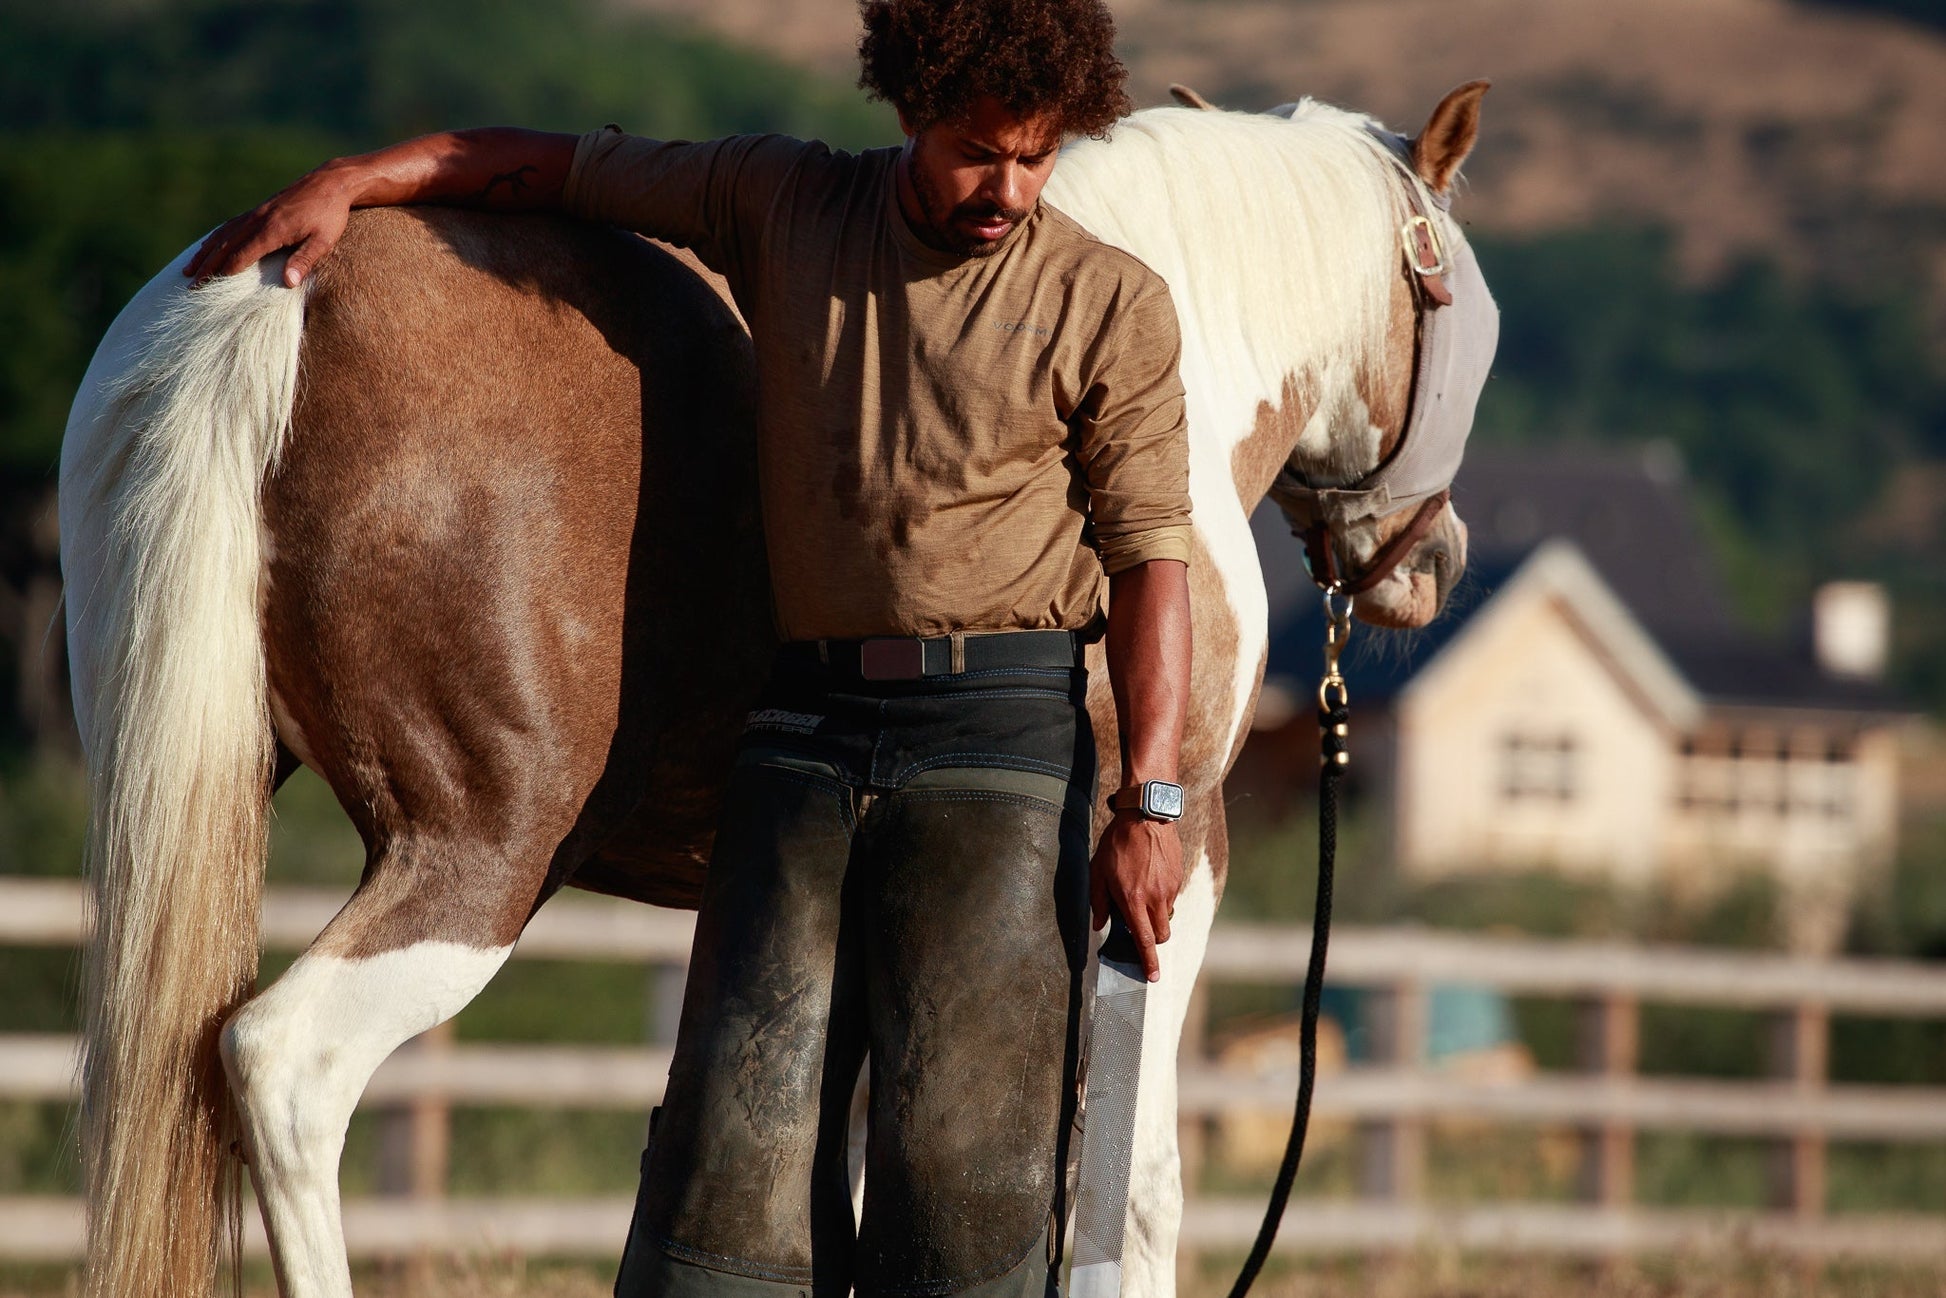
(1454, 1276)
(1418, 1276)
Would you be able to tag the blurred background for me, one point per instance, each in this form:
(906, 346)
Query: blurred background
(1689, 697)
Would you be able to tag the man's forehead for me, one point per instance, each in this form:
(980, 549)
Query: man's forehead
(990, 124)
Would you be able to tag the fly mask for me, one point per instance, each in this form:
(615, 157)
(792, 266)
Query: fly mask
(1459, 327)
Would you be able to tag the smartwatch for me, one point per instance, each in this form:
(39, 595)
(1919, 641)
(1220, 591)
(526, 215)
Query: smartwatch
(1151, 799)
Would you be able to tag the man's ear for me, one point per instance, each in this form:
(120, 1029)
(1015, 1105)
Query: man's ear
(905, 123)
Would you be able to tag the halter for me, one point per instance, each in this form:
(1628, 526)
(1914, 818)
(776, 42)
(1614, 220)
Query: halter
(1455, 350)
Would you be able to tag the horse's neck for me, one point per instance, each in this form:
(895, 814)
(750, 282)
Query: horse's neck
(1276, 240)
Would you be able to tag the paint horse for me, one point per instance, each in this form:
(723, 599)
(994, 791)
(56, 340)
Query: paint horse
(468, 525)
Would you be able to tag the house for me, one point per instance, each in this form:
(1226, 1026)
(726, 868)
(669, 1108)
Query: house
(1587, 703)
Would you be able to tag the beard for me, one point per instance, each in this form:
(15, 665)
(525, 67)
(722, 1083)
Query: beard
(945, 223)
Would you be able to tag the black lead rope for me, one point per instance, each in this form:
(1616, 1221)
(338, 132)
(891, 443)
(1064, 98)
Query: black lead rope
(1334, 716)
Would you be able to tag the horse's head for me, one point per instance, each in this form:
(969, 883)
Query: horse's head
(1385, 530)
(1365, 484)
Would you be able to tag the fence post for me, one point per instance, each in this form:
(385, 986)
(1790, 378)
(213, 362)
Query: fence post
(1800, 1048)
(416, 1138)
(1609, 1034)
(1392, 1151)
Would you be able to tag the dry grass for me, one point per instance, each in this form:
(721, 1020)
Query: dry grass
(500, 1277)
(1451, 1276)
(1420, 1276)
(1423, 1276)
(503, 1276)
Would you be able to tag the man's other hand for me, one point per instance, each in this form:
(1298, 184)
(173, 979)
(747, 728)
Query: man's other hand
(1138, 868)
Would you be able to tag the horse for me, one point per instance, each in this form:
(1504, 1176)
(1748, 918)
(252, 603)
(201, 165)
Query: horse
(467, 524)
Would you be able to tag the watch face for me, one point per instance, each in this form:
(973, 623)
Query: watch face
(1160, 798)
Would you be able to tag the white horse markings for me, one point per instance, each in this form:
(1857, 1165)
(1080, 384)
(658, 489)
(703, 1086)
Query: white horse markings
(299, 1057)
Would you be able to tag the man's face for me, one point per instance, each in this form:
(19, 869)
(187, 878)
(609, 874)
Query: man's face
(972, 181)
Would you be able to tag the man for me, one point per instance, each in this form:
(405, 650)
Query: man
(970, 421)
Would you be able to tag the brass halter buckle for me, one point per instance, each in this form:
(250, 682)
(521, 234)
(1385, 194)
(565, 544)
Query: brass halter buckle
(1421, 240)
(1427, 257)
(1332, 694)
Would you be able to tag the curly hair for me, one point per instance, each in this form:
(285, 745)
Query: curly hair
(931, 59)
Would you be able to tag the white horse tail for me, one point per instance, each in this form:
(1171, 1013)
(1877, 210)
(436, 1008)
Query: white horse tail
(179, 418)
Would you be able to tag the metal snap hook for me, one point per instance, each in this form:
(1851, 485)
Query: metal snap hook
(1332, 694)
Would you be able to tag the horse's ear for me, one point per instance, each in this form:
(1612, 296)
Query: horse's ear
(1190, 99)
(1438, 151)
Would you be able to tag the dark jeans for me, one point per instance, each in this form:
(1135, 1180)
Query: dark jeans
(901, 870)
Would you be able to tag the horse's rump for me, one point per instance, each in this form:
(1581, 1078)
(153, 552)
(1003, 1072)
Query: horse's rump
(516, 592)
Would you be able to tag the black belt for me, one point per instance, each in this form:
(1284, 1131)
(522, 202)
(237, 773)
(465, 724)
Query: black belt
(907, 658)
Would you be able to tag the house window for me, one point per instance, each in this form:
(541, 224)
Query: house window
(1758, 775)
(1537, 768)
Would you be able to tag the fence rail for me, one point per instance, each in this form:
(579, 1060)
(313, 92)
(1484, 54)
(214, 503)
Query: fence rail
(1390, 1104)
(50, 1230)
(602, 1077)
(36, 912)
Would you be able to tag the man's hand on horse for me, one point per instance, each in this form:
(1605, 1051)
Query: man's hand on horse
(1138, 868)
(497, 167)
(309, 218)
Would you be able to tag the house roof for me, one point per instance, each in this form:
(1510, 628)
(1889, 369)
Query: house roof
(1736, 672)
(1636, 546)
(1624, 508)
(1384, 664)
(1556, 571)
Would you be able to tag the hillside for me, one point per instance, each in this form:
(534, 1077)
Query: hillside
(1809, 134)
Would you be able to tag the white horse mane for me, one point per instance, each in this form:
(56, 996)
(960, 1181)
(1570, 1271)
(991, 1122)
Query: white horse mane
(1262, 224)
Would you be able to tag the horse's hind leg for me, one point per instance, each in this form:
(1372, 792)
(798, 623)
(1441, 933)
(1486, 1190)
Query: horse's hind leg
(461, 692)
(299, 1055)
(456, 607)
(473, 802)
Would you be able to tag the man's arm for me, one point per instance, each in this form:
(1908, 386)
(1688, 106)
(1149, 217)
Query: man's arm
(1138, 864)
(498, 167)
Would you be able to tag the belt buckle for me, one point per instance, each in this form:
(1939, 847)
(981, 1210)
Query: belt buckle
(902, 659)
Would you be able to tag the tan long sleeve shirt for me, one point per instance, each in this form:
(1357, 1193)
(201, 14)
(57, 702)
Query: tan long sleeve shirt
(945, 443)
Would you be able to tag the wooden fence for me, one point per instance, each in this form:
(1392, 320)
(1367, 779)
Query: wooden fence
(1391, 1103)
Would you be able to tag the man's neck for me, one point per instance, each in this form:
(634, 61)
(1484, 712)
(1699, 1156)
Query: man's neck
(910, 207)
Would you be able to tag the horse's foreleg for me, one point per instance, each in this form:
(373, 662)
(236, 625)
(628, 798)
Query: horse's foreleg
(300, 1054)
(1155, 1172)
